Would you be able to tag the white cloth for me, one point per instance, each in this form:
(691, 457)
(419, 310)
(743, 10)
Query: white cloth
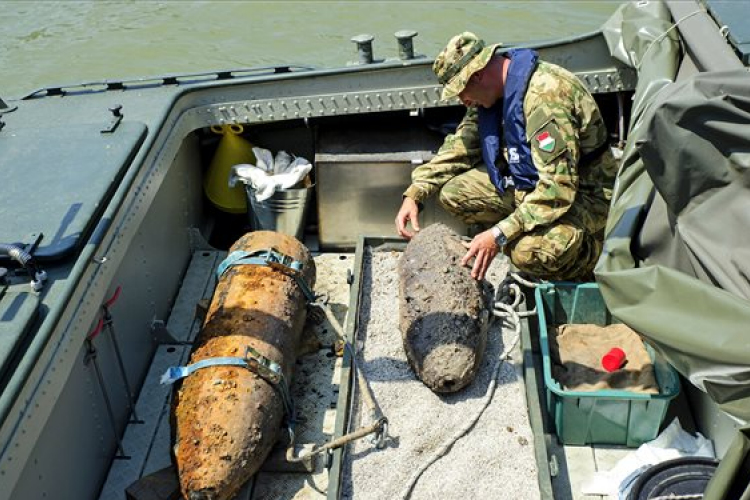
(673, 442)
(270, 174)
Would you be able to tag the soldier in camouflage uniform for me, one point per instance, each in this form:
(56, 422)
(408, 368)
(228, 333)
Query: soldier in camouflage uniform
(552, 229)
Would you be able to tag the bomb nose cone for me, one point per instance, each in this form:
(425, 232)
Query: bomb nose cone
(447, 368)
(447, 384)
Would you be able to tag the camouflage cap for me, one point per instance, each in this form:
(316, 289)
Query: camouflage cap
(464, 55)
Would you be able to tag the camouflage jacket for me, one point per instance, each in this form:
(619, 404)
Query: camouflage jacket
(556, 105)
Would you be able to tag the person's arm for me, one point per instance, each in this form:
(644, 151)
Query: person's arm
(460, 152)
(555, 151)
(409, 212)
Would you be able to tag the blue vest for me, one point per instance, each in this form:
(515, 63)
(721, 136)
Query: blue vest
(521, 172)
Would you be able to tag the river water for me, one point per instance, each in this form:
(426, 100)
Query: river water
(62, 42)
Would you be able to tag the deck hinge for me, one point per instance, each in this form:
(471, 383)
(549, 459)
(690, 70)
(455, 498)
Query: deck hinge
(116, 111)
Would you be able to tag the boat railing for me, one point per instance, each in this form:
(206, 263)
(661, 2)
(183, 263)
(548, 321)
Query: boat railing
(164, 80)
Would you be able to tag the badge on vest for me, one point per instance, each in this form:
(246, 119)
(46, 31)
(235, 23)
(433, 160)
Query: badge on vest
(513, 156)
(546, 142)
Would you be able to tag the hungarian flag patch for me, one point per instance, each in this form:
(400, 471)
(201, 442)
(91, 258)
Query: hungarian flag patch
(546, 142)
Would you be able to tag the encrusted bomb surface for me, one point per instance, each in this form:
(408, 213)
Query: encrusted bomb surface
(443, 315)
(225, 419)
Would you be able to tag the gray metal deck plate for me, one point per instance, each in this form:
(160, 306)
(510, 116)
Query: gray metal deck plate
(734, 15)
(18, 310)
(57, 181)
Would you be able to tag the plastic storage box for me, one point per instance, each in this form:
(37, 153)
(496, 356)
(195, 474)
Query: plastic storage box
(597, 417)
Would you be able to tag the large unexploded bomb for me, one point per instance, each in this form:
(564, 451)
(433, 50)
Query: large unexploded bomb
(226, 419)
(443, 314)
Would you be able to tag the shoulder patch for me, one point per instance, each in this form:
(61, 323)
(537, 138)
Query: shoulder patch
(548, 141)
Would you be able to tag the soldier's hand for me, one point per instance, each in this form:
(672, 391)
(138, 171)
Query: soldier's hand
(409, 212)
(483, 249)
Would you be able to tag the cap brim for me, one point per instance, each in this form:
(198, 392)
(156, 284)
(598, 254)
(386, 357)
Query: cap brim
(457, 84)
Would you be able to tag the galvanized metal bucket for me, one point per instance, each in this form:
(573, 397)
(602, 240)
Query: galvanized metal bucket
(284, 212)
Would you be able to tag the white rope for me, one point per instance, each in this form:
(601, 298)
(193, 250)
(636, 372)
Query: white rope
(672, 496)
(663, 35)
(526, 282)
(507, 312)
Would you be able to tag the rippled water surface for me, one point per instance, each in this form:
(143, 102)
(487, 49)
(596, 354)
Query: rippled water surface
(48, 42)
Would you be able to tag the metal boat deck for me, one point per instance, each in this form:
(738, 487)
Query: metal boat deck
(562, 470)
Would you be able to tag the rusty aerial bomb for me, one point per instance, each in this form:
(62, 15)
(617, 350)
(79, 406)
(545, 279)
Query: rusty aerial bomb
(226, 418)
(443, 315)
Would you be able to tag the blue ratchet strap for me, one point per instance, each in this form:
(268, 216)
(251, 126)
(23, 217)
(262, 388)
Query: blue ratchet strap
(268, 370)
(271, 258)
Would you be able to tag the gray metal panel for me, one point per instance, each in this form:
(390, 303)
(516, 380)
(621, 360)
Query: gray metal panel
(733, 16)
(713, 423)
(356, 198)
(72, 171)
(76, 289)
(148, 443)
(78, 434)
(705, 45)
(360, 180)
(589, 58)
(74, 444)
(18, 311)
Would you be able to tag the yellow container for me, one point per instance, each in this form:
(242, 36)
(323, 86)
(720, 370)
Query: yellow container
(231, 151)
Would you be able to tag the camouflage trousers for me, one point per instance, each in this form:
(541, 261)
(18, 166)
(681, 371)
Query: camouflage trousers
(563, 250)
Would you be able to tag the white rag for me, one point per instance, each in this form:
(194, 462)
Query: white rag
(673, 442)
(270, 175)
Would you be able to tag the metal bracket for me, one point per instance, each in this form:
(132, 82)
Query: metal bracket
(116, 111)
(163, 336)
(554, 466)
(272, 258)
(381, 435)
(263, 366)
(277, 461)
(198, 241)
(6, 108)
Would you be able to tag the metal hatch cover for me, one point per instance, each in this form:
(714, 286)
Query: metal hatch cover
(57, 181)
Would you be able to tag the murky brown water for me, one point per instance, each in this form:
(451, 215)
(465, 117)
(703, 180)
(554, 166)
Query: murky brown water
(47, 42)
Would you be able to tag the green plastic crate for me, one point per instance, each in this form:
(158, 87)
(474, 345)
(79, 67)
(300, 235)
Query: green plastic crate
(597, 417)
